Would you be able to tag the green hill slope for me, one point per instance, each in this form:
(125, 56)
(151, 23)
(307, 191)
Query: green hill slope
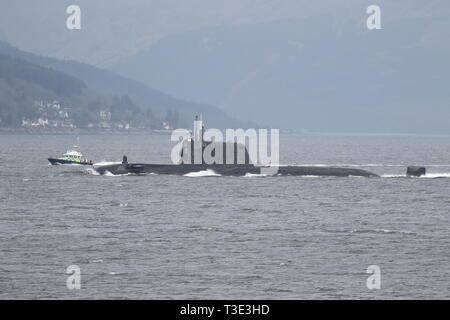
(111, 84)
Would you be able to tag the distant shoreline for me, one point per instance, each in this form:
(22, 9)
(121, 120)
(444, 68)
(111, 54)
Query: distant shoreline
(53, 131)
(80, 131)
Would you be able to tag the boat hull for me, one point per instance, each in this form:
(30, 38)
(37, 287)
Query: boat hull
(55, 162)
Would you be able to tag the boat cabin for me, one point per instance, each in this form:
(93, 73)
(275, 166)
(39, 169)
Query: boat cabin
(73, 155)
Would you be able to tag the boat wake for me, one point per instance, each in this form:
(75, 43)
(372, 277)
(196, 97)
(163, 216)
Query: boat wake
(92, 172)
(105, 163)
(383, 231)
(251, 175)
(427, 176)
(203, 173)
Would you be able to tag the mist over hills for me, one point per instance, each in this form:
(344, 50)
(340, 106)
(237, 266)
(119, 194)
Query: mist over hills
(112, 30)
(317, 74)
(295, 64)
(106, 83)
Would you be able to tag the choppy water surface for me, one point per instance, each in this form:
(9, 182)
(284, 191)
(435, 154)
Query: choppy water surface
(164, 237)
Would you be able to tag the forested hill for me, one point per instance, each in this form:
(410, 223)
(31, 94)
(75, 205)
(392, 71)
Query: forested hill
(161, 105)
(12, 69)
(33, 96)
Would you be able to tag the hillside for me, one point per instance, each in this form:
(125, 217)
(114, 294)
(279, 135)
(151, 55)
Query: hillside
(319, 73)
(109, 83)
(33, 96)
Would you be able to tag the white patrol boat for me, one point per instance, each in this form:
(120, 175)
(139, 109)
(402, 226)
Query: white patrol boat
(72, 156)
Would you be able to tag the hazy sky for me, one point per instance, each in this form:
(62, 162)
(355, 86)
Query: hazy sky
(290, 63)
(112, 29)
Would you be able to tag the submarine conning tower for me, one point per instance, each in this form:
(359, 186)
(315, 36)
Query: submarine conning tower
(192, 151)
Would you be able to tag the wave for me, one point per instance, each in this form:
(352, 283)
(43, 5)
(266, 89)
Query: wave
(436, 175)
(105, 163)
(203, 173)
(311, 176)
(109, 174)
(387, 231)
(92, 171)
(249, 175)
(427, 176)
(393, 176)
(96, 261)
(67, 165)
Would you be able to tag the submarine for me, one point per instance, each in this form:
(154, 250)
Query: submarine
(236, 168)
(228, 170)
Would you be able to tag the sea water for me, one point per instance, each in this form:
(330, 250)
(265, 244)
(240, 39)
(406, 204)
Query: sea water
(207, 236)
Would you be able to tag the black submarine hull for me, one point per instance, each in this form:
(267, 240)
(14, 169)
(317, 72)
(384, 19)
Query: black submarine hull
(229, 170)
